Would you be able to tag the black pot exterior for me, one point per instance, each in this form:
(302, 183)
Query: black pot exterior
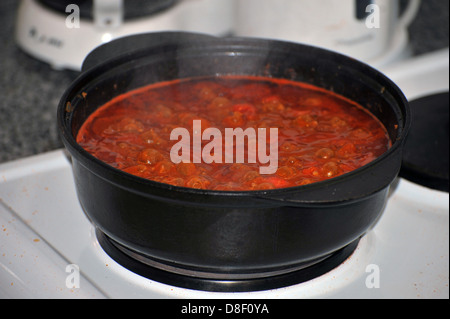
(232, 234)
(244, 236)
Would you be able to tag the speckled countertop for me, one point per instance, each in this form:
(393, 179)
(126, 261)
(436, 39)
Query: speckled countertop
(30, 90)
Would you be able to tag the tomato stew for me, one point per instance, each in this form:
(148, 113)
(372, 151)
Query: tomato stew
(321, 135)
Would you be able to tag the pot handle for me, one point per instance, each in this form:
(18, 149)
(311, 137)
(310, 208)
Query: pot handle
(362, 184)
(321, 197)
(410, 13)
(129, 44)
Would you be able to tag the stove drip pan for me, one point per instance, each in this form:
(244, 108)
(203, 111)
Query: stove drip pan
(221, 282)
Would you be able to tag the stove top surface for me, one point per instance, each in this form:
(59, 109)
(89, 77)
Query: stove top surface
(49, 249)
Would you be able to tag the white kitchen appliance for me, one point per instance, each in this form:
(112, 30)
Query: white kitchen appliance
(63, 32)
(374, 31)
(49, 249)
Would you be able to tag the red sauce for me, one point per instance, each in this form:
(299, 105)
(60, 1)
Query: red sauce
(321, 135)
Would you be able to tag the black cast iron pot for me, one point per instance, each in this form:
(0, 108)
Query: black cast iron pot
(229, 236)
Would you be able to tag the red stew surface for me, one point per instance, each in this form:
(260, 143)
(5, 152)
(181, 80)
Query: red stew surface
(321, 135)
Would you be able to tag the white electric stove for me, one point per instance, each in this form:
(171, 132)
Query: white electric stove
(49, 249)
